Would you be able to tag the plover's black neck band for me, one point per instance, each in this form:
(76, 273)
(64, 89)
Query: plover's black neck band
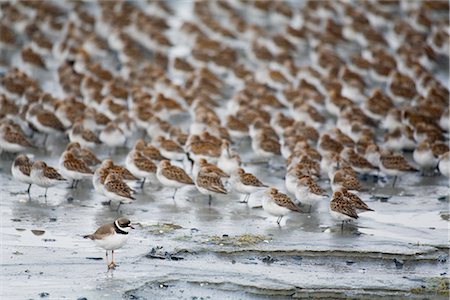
(118, 229)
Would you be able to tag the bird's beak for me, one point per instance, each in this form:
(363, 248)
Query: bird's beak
(131, 226)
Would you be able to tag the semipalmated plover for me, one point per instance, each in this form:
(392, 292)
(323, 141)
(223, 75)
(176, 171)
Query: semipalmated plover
(111, 236)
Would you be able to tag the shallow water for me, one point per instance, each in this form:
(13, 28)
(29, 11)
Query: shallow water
(228, 250)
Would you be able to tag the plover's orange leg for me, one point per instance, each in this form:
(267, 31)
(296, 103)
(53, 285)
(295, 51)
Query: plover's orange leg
(112, 265)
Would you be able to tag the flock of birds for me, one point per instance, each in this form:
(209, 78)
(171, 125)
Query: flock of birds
(338, 90)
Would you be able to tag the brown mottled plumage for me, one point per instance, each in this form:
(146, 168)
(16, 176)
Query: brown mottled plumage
(23, 163)
(74, 164)
(283, 200)
(249, 179)
(143, 163)
(210, 181)
(115, 184)
(342, 205)
(355, 201)
(15, 137)
(212, 168)
(175, 173)
(396, 162)
(82, 153)
(169, 145)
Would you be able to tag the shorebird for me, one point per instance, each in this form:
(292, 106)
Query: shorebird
(140, 166)
(74, 168)
(45, 176)
(309, 192)
(246, 183)
(115, 189)
(21, 169)
(12, 140)
(394, 165)
(110, 237)
(172, 176)
(278, 204)
(209, 182)
(344, 206)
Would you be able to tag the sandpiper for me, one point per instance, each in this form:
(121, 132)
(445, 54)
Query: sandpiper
(344, 206)
(45, 176)
(309, 192)
(394, 165)
(111, 236)
(112, 136)
(209, 182)
(423, 155)
(172, 176)
(73, 168)
(278, 204)
(246, 183)
(229, 160)
(170, 149)
(85, 137)
(140, 166)
(115, 189)
(21, 169)
(83, 153)
(12, 140)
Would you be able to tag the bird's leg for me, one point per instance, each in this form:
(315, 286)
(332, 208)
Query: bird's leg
(309, 210)
(45, 139)
(247, 196)
(76, 183)
(29, 188)
(107, 261)
(209, 200)
(112, 265)
(342, 227)
(72, 185)
(395, 179)
(174, 193)
(118, 206)
(143, 182)
(45, 194)
(279, 220)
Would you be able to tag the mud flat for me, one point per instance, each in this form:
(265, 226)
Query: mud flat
(185, 249)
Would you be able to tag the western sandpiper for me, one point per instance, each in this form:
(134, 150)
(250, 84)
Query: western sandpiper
(172, 176)
(21, 169)
(45, 176)
(278, 204)
(246, 183)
